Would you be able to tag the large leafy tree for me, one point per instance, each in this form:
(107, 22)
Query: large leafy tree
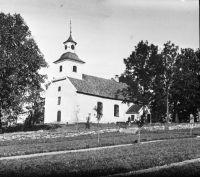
(186, 84)
(20, 60)
(35, 108)
(138, 75)
(168, 80)
(169, 56)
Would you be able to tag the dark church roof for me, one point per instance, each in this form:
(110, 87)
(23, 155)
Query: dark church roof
(69, 56)
(97, 86)
(134, 109)
(70, 40)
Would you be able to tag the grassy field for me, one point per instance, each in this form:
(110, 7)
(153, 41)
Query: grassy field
(105, 162)
(16, 147)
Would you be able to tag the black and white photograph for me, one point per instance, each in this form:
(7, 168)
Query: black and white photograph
(99, 88)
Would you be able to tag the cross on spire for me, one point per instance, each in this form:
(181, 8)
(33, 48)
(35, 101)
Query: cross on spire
(70, 36)
(70, 27)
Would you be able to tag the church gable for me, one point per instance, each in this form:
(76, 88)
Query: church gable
(134, 109)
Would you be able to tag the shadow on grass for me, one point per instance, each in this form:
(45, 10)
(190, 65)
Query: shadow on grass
(67, 173)
(117, 172)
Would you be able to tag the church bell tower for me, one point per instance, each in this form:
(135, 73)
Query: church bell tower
(69, 64)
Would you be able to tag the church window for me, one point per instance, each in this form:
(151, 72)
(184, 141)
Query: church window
(58, 116)
(72, 46)
(99, 108)
(61, 68)
(59, 100)
(59, 88)
(75, 69)
(116, 110)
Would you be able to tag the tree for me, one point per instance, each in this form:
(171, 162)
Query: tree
(35, 108)
(140, 74)
(20, 60)
(197, 53)
(99, 115)
(168, 81)
(87, 125)
(169, 56)
(186, 84)
(77, 110)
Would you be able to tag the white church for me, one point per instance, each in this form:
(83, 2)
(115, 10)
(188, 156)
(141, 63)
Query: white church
(72, 95)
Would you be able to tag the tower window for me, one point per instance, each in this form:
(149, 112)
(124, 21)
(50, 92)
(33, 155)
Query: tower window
(59, 100)
(61, 68)
(116, 110)
(74, 68)
(59, 88)
(72, 47)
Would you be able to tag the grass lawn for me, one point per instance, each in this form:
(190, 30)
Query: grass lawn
(105, 162)
(186, 170)
(16, 147)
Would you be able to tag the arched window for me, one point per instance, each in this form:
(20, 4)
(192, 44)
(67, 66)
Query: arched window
(61, 68)
(99, 108)
(75, 69)
(58, 116)
(116, 110)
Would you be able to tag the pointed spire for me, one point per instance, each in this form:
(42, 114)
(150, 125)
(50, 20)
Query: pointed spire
(70, 36)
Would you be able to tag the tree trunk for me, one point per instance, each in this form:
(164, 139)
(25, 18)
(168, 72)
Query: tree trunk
(150, 119)
(77, 126)
(176, 117)
(98, 133)
(195, 117)
(1, 122)
(139, 135)
(167, 109)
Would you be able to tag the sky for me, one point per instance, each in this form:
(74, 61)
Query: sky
(106, 31)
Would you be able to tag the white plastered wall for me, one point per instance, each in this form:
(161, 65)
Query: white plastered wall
(68, 102)
(88, 102)
(71, 101)
(67, 69)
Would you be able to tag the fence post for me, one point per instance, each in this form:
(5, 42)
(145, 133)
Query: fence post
(191, 127)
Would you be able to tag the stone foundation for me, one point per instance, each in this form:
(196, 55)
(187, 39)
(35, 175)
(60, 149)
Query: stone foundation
(43, 134)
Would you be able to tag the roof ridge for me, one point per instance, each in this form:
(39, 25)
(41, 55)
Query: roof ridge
(100, 77)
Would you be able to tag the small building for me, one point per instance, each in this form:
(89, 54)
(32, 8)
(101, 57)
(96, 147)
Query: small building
(135, 112)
